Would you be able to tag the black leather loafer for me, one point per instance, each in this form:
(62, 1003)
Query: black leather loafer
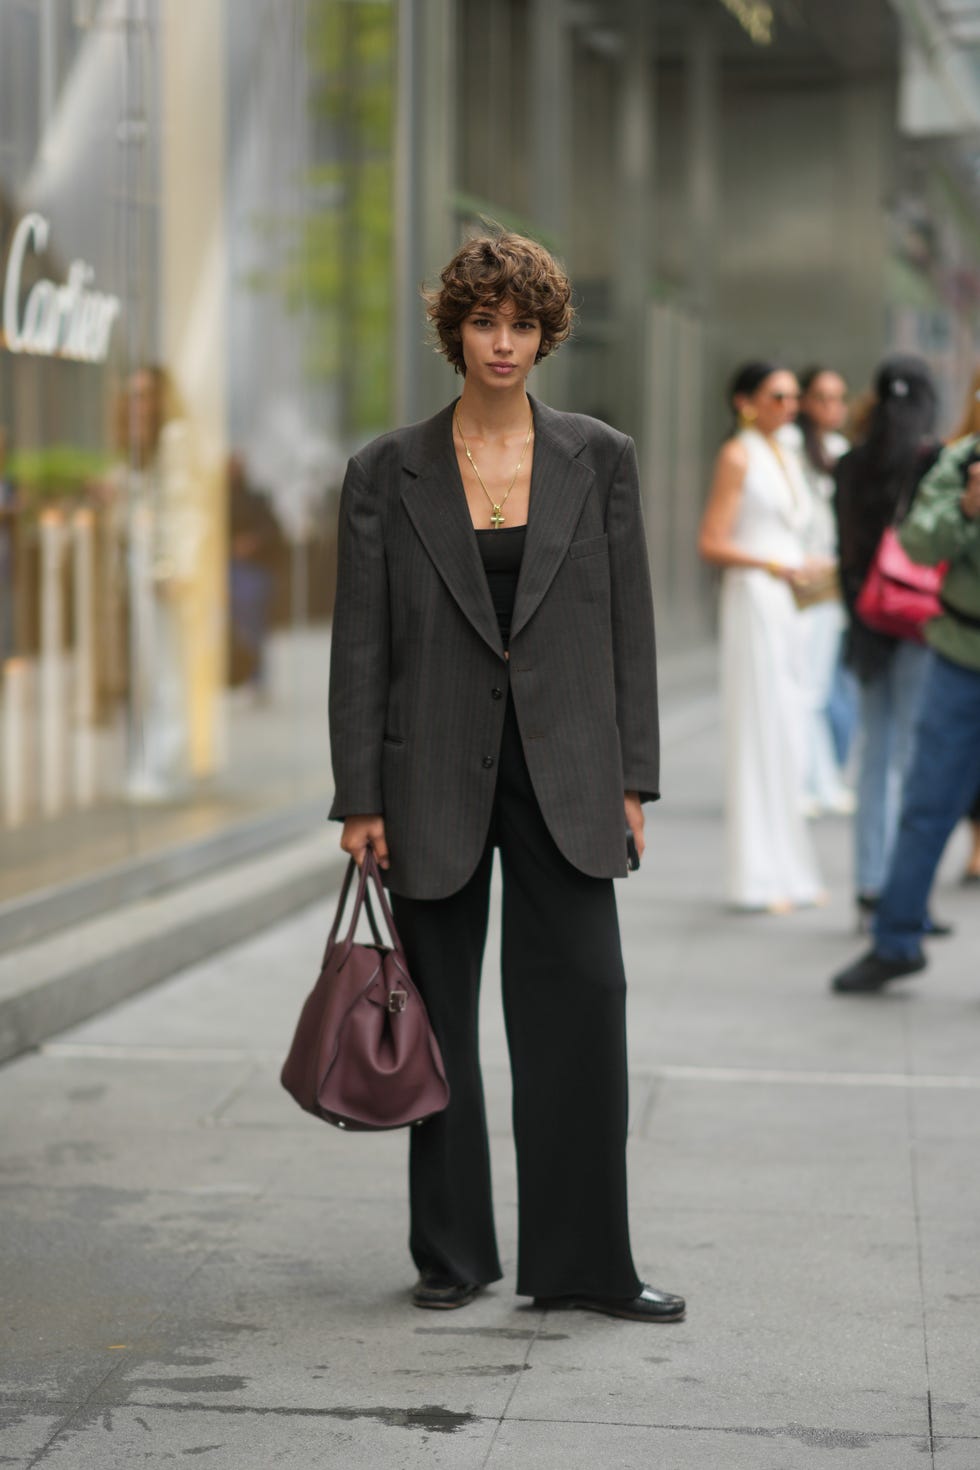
(650, 1306)
(873, 971)
(440, 1294)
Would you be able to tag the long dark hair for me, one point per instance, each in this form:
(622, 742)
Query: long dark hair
(813, 445)
(748, 378)
(901, 432)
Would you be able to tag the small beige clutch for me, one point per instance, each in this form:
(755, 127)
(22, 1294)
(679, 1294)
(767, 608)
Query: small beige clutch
(820, 587)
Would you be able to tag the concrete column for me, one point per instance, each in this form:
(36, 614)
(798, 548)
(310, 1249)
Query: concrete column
(867, 173)
(425, 166)
(703, 111)
(634, 262)
(551, 162)
(702, 413)
(550, 115)
(194, 264)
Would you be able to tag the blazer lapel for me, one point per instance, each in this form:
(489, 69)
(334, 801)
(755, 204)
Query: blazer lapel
(560, 484)
(434, 498)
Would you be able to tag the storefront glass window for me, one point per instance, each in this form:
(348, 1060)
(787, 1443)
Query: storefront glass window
(196, 257)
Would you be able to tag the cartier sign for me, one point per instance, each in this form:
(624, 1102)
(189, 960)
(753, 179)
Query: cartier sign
(67, 320)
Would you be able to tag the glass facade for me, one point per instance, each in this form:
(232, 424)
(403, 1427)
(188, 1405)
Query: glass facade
(196, 236)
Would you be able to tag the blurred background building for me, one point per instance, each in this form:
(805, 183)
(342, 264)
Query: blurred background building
(214, 218)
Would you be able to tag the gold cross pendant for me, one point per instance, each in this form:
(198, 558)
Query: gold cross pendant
(497, 517)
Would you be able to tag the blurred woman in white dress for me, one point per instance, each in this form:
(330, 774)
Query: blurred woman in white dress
(754, 528)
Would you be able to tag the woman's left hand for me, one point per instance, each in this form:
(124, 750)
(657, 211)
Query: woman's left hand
(634, 819)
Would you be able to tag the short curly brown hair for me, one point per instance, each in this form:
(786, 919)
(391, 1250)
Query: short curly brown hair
(490, 269)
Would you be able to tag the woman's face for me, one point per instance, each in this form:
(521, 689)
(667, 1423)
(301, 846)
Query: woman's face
(143, 412)
(774, 403)
(499, 346)
(825, 401)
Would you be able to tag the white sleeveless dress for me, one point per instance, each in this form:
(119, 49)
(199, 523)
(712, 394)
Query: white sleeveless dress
(769, 855)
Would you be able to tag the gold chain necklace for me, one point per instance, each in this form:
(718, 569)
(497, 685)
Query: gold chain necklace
(496, 506)
(777, 454)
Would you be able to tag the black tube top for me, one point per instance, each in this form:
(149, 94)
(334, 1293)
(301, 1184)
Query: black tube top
(501, 552)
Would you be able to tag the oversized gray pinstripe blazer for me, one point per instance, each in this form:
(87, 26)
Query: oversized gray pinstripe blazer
(418, 678)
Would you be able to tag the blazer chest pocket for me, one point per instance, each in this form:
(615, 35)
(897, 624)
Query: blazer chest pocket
(591, 546)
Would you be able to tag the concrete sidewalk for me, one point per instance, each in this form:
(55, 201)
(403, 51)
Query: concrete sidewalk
(194, 1271)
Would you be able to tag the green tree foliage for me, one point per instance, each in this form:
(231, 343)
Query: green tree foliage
(340, 272)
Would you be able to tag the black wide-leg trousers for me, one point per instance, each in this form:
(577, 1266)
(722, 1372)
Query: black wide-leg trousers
(564, 995)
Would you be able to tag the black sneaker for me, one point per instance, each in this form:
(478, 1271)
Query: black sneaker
(873, 971)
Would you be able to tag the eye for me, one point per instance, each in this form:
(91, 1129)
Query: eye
(526, 326)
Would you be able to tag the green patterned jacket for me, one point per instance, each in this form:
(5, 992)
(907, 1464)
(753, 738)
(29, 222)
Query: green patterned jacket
(937, 530)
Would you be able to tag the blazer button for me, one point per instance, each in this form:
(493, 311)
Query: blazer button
(487, 762)
(496, 694)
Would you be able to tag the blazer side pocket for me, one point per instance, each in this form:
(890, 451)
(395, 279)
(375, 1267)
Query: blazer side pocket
(589, 547)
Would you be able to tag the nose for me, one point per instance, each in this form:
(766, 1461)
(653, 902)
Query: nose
(503, 344)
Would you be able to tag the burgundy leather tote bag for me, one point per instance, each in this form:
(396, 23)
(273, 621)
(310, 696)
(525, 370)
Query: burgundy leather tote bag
(898, 596)
(364, 1055)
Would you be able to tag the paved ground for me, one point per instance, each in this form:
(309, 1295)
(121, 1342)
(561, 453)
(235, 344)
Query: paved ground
(193, 1272)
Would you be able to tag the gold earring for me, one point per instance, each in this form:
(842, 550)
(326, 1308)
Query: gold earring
(747, 416)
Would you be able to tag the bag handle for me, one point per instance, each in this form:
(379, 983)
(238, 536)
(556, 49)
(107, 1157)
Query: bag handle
(382, 897)
(362, 900)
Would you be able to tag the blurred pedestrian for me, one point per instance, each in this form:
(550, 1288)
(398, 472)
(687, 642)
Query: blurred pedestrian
(944, 525)
(152, 503)
(876, 482)
(8, 519)
(971, 873)
(493, 684)
(970, 425)
(252, 543)
(817, 438)
(754, 528)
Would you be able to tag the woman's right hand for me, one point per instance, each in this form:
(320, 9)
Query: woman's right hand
(360, 833)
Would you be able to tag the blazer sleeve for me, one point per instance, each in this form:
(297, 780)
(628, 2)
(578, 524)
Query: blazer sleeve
(360, 651)
(634, 642)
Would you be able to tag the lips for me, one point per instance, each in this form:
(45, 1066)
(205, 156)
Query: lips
(502, 368)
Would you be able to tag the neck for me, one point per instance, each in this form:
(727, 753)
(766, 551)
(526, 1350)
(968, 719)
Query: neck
(491, 415)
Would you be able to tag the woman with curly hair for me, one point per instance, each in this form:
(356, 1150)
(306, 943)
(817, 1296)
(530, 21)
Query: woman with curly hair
(492, 686)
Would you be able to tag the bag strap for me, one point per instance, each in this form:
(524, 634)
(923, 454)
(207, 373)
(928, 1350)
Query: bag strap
(341, 902)
(371, 865)
(372, 921)
(361, 899)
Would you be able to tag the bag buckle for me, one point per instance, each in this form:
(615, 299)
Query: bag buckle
(397, 1001)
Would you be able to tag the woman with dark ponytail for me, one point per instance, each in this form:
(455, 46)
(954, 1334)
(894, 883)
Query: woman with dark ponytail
(876, 483)
(754, 527)
(817, 439)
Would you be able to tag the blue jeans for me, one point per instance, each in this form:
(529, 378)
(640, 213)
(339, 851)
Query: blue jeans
(889, 708)
(842, 710)
(943, 780)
